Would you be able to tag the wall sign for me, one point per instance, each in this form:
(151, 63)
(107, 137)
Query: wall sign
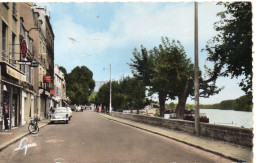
(23, 49)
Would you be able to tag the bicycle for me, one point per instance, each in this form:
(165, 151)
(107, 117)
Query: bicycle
(33, 126)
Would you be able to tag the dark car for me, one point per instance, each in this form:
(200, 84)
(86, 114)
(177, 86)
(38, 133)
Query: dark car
(73, 107)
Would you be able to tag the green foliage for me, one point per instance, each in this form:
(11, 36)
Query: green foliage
(190, 106)
(231, 49)
(93, 98)
(167, 71)
(128, 93)
(243, 103)
(171, 105)
(157, 113)
(164, 69)
(80, 85)
(62, 69)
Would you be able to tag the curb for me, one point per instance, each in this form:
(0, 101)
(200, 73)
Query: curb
(5, 145)
(196, 146)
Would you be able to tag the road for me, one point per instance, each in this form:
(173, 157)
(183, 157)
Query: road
(91, 138)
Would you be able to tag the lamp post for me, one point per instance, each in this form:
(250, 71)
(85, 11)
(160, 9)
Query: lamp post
(110, 92)
(196, 75)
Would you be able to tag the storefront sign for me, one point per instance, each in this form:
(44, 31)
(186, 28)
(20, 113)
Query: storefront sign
(46, 79)
(23, 49)
(14, 73)
(32, 63)
(52, 92)
(23, 62)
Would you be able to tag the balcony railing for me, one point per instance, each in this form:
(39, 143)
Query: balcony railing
(4, 59)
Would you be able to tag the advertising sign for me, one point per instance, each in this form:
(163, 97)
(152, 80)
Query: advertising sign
(23, 49)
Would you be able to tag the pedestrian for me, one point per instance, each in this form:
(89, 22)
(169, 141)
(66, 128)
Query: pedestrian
(51, 110)
(6, 115)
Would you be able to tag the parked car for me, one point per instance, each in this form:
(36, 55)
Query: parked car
(79, 109)
(59, 114)
(70, 112)
(73, 107)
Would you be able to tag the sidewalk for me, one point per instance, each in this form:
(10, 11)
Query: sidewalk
(11, 136)
(225, 149)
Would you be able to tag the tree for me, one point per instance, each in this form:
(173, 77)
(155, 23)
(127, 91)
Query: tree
(127, 93)
(62, 69)
(164, 70)
(134, 93)
(167, 71)
(231, 49)
(93, 98)
(80, 85)
(171, 105)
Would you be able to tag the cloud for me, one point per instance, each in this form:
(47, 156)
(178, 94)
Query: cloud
(132, 25)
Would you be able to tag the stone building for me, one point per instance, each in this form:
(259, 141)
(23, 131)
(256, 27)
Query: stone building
(27, 93)
(37, 21)
(11, 77)
(60, 87)
(26, 37)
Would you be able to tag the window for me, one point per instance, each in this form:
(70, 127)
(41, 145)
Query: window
(14, 11)
(13, 49)
(6, 4)
(4, 41)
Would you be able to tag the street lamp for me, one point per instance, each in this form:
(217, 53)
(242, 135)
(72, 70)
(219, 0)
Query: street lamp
(196, 75)
(110, 92)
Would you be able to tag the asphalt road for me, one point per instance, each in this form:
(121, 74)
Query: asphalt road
(91, 138)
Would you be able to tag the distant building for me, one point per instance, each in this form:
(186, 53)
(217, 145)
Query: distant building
(60, 87)
(99, 84)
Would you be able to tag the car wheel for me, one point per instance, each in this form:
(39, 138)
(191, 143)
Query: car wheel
(67, 121)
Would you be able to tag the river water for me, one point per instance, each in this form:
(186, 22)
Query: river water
(227, 117)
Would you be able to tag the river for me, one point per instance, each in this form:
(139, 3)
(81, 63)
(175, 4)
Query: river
(227, 117)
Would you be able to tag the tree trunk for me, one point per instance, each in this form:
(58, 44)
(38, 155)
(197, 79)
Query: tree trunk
(162, 99)
(182, 99)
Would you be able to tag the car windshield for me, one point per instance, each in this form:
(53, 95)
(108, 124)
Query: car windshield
(60, 110)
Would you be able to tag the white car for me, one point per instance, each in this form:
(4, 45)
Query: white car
(79, 109)
(70, 112)
(59, 114)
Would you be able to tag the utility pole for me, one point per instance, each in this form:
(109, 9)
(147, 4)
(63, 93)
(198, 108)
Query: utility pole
(1, 104)
(196, 75)
(110, 92)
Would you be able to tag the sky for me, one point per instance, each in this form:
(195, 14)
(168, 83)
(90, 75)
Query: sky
(97, 34)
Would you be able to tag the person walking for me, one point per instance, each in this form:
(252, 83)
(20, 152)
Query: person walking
(6, 115)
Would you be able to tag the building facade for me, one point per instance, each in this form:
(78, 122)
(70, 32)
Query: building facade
(43, 47)
(11, 76)
(60, 87)
(26, 37)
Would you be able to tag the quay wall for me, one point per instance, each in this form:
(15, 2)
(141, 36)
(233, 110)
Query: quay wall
(235, 135)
